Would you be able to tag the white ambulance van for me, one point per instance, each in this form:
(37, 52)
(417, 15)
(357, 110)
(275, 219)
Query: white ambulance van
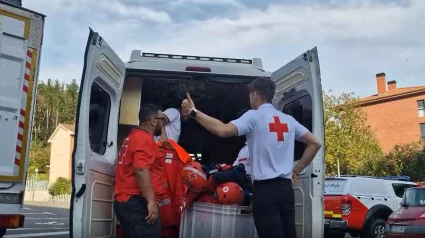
(21, 32)
(112, 91)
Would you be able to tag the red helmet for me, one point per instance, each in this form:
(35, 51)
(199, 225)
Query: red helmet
(230, 193)
(207, 198)
(194, 177)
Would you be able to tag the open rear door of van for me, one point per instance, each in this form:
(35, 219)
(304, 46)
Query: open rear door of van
(299, 93)
(95, 144)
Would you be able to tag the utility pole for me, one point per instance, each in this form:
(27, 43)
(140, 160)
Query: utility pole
(408, 69)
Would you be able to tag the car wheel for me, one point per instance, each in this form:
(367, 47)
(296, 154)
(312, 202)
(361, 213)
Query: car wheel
(2, 232)
(376, 229)
(334, 234)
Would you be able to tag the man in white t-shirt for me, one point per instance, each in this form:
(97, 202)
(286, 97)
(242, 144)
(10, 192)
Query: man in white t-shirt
(172, 127)
(243, 158)
(271, 136)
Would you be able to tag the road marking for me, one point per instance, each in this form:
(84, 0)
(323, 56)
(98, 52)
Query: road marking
(43, 218)
(49, 223)
(38, 213)
(27, 208)
(37, 228)
(38, 234)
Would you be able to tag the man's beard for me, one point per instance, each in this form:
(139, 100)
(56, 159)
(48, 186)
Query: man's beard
(158, 131)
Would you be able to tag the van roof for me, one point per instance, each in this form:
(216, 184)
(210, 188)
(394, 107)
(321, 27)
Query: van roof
(181, 63)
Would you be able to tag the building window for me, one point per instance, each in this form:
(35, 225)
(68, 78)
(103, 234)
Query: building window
(421, 108)
(422, 128)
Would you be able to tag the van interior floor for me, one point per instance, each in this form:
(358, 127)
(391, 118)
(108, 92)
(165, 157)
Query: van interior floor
(221, 100)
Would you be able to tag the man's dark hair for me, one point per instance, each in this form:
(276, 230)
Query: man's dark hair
(265, 87)
(147, 111)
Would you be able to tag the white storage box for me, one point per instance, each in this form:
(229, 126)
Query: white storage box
(203, 220)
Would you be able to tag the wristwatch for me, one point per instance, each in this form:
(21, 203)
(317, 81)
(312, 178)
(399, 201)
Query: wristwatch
(192, 112)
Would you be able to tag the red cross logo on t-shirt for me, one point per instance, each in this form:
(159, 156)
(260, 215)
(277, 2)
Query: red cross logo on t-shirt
(279, 128)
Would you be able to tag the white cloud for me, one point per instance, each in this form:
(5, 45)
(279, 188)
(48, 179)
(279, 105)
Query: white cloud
(99, 10)
(355, 40)
(208, 2)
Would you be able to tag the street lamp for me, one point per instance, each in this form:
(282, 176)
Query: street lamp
(36, 174)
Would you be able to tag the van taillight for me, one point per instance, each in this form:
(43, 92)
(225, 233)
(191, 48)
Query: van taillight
(198, 69)
(346, 207)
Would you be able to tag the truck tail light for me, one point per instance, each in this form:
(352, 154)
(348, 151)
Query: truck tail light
(346, 207)
(198, 69)
(11, 221)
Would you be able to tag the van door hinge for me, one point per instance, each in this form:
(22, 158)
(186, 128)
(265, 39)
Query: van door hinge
(95, 37)
(292, 92)
(79, 168)
(307, 57)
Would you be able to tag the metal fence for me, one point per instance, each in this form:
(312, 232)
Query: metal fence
(14, 2)
(39, 191)
(59, 198)
(32, 184)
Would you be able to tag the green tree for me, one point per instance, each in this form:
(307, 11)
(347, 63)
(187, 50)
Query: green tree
(60, 186)
(407, 159)
(39, 158)
(348, 138)
(55, 103)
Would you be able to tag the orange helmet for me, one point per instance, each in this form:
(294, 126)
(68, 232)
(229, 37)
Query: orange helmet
(194, 177)
(207, 198)
(230, 193)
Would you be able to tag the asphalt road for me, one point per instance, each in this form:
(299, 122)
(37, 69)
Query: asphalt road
(43, 221)
(46, 221)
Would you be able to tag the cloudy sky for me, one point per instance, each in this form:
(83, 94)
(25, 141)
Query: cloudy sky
(355, 39)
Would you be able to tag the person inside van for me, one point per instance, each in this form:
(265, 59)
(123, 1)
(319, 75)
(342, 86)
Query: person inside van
(172, 126)
(243, 158)
(271, 136)
(139, 181)
(243, 155)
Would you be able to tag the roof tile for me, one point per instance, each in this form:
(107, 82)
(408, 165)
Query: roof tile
(69, 127)
(392, 93)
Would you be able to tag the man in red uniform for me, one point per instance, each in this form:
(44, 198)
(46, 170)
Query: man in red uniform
(139, 178)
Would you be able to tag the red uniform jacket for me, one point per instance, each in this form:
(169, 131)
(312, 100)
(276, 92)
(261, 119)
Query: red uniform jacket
(175, 158)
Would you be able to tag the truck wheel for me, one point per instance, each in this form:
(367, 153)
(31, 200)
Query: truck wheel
(2, 232)
(376, 229)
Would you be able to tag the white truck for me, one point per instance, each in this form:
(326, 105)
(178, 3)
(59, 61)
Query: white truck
(110, 96)
(21, 32)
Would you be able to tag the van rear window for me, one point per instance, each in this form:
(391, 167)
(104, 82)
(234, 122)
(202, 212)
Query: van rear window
(335, 186)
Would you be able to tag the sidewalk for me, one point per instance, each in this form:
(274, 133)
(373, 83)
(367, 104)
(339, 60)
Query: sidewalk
(48, 204)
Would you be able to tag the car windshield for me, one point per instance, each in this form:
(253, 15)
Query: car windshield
(334, 186)
(414, 197)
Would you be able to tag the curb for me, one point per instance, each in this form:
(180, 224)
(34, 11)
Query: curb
(48, 204)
